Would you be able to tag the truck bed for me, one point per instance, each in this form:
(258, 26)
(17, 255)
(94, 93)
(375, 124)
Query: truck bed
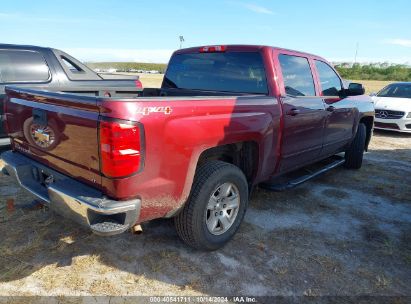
(74, 122)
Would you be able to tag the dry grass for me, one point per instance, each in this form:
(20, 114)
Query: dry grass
(373, 86)
(148, 80)
(151, 80)
(103, 287)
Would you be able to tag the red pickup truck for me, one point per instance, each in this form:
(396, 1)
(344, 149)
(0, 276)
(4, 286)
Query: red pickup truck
(226, 119)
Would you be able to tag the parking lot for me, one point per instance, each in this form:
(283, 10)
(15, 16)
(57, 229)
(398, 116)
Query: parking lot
(345, 233)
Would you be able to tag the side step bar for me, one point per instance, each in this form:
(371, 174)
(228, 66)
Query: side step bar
(4, 141)
(301, 179)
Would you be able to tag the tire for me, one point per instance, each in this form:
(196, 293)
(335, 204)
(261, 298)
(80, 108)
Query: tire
(194, 224)
(354, 154)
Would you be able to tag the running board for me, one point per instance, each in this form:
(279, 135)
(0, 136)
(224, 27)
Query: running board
(301, 179)
(4, 141)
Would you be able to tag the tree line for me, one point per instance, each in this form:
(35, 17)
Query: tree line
(128, 66)
(383, 71)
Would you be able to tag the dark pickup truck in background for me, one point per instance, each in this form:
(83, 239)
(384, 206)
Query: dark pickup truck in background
(53, 70)
(226, 119)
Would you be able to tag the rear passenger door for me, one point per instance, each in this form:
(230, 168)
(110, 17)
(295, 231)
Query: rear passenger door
(340, 111)
(304, 114)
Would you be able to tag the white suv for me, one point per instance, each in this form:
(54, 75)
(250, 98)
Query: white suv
(393, 107)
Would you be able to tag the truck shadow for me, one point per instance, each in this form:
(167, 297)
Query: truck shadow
(273, 252)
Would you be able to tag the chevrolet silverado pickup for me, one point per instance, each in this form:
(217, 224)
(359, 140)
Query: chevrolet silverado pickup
(226, 119)
(53, 70)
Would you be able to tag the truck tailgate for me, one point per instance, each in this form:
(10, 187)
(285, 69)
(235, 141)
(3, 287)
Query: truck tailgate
(59, 133)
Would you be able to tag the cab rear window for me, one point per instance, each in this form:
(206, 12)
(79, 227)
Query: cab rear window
(237, 72)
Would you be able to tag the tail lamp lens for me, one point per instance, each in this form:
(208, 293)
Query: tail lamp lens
(120, 148)
(139, 84)
(213, 49)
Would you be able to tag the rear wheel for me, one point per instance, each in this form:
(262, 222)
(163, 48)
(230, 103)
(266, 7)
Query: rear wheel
(215, 208)
(354, 154)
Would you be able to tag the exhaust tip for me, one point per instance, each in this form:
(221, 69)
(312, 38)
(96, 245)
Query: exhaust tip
(136, 229)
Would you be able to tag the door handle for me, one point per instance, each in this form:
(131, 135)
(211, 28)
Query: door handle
(330, 109)
(293, 112)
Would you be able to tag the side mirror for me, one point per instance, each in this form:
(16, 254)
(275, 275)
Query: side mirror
(355, 89)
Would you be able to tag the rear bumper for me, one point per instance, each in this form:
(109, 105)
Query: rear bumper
(70, 198)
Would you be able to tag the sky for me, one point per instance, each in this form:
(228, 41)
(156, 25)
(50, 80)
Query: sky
(149, 30)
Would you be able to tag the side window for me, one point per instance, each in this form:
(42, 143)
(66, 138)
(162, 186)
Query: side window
(74, 68)
(298, 79)
(330, 82)
(23, 66)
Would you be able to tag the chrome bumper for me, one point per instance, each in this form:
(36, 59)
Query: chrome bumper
(71, 198)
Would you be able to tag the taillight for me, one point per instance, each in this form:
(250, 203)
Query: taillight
(120, 148)
(213, 49)
(138, 84)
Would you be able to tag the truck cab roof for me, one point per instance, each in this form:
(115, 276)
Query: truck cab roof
(246, 48)
(22, 47)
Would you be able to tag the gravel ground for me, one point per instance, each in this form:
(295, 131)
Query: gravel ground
(344, 233)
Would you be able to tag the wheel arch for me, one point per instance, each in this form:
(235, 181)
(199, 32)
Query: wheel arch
(244, 155)
(368, 121)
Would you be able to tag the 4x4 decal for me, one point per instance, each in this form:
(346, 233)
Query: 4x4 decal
(148, 110)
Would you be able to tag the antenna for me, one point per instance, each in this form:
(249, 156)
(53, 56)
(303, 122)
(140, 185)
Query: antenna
(181, 41)
(356, 52)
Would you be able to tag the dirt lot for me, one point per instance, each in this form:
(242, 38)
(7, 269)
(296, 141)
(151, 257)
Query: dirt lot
(151, 80)
(345, 233)
(373, 86)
